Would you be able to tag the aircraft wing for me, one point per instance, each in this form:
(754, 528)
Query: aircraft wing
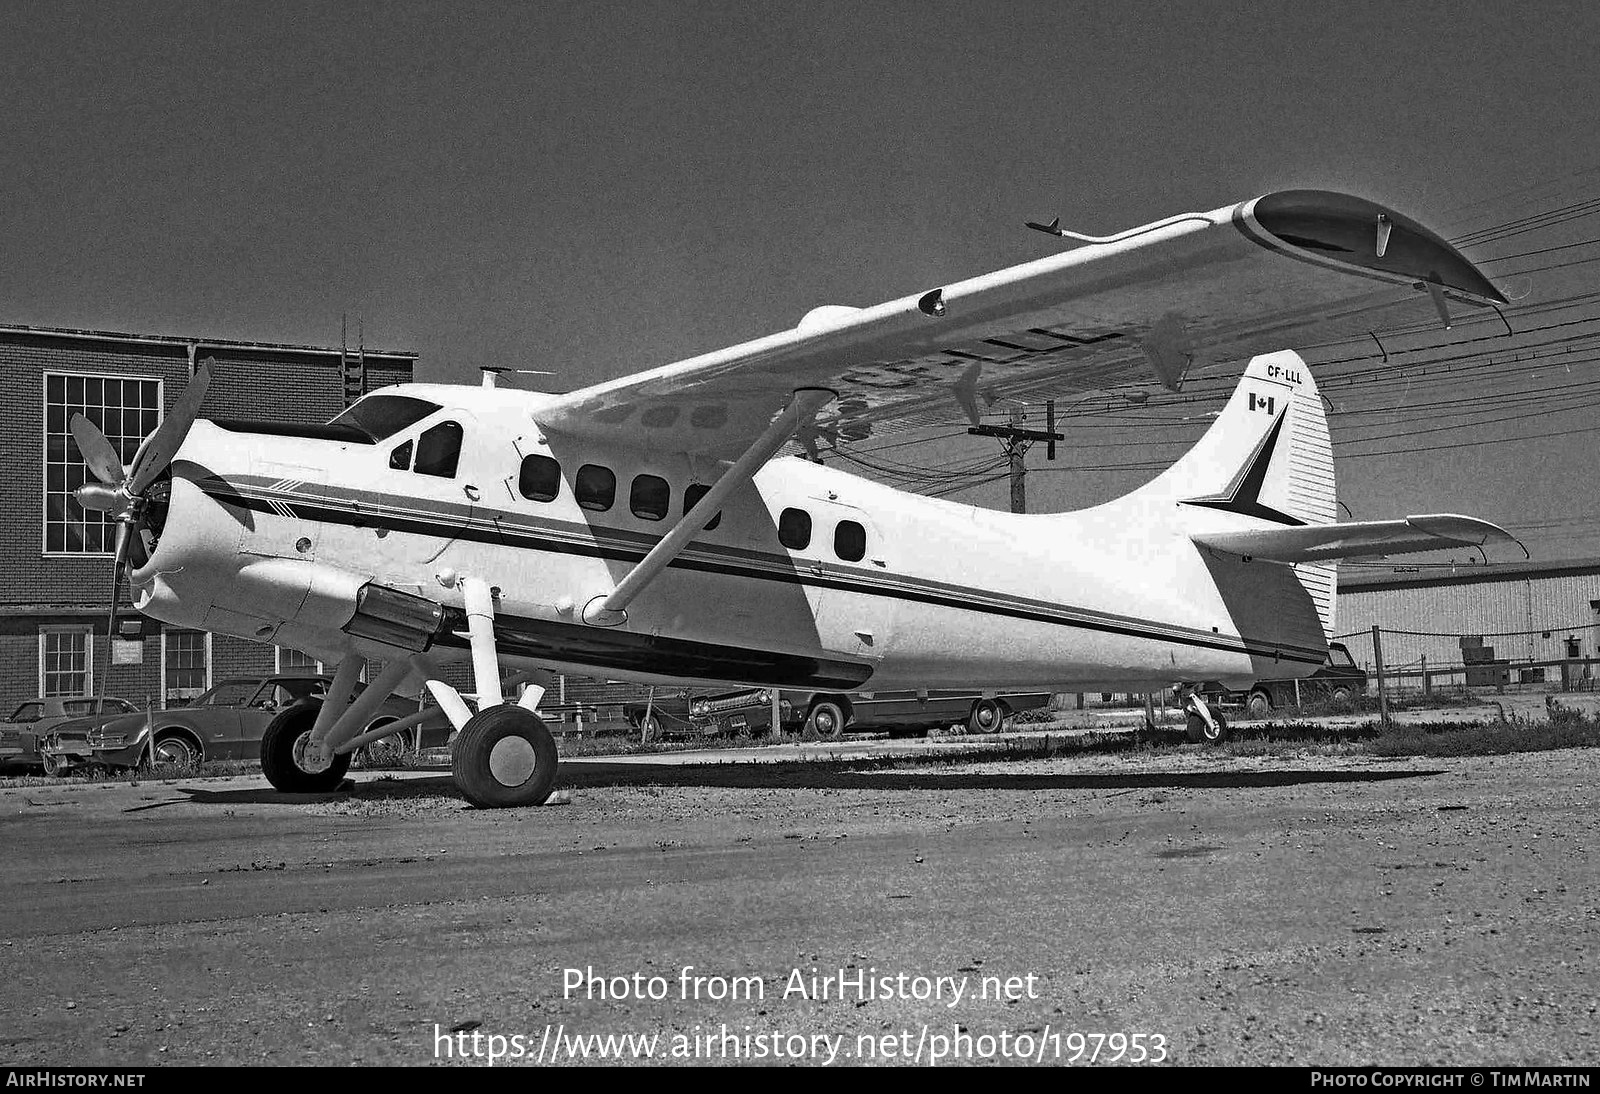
(1150, 303)
(1319, 542)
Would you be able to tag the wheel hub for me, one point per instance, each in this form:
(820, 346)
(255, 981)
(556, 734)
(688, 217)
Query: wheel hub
(512, 761)
(313, 761)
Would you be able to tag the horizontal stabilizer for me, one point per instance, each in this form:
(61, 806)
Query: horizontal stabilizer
(1317, 542)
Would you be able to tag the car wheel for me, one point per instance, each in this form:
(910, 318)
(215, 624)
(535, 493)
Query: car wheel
(825, 722)
(1200, 732)
(174, 750)
(1259, 705)
(283, 759)
(505, 756)
(1343, 695)
(987, 717)
(650, 729)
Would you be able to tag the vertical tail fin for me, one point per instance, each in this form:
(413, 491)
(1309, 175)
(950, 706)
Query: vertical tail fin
(1267, 459)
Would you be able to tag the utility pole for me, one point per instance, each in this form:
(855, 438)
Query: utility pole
(1016, 442)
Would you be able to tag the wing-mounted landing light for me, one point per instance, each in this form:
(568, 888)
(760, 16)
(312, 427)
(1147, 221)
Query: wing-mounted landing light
(125, 492)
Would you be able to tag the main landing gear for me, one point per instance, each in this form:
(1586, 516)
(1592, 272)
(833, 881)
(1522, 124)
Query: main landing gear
(502, 756)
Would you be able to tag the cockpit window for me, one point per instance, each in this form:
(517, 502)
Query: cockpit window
(382, 416)
(438, 450)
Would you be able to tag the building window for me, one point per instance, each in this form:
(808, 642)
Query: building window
(126, 410)
(650, 498)
(540, 479)
(185, 665)
(290, 661)
(595, 487)
(692, 496)
(66, 662)
(794, 529)
(850, 541)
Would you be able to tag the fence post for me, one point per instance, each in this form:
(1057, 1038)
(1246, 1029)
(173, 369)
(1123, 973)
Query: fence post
(1377, 664)
(1427, 689)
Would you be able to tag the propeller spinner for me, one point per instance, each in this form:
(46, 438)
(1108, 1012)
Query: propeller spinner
(123, 491)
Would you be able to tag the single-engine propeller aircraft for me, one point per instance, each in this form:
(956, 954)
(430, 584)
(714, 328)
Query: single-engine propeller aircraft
(643, 529)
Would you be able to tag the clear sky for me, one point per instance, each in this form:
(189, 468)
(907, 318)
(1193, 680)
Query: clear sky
(595, 188)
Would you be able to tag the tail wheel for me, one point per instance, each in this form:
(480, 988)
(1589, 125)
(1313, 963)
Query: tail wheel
(1200, 732)
(505, 756)
(174, 750)
(53, 765)
(283, 754)
(987, 717)
(826, 721)
(1259, 705)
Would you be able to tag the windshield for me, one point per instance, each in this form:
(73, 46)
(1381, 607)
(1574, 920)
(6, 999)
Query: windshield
(1338, 655)
(382, 416)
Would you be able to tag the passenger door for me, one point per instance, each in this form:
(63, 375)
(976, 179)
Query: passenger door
(851, 563)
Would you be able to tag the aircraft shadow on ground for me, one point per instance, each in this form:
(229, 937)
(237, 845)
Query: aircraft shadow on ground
(840, 776)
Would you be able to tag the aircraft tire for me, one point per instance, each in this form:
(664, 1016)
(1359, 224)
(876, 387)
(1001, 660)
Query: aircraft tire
(650, 729)
(279, 763)
(505, 757)
(1200, 733)
(987, 716)
(825, 722)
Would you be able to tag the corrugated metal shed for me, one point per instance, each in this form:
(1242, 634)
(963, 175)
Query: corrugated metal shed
(1524, 612)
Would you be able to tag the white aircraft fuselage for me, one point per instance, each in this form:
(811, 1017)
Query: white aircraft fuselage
(273, 538)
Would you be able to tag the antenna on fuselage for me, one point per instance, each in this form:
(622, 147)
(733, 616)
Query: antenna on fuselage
(491, 373)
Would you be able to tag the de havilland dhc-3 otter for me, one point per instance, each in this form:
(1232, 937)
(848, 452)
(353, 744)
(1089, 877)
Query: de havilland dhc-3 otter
(643, 529)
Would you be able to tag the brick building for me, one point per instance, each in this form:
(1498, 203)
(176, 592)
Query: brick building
(55, 560)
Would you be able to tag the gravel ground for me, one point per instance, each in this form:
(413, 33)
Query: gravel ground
(1283, 909)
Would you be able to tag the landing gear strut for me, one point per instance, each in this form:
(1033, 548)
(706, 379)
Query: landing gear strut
(503, 755)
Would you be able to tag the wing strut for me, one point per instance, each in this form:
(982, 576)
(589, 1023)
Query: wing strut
(612, 609)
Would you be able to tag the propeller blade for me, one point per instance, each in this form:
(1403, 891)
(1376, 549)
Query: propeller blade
(98, 453)
(162, 445)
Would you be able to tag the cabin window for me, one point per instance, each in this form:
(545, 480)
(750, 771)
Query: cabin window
(400, 458)
(650, 498)
(692, 496)
(794, 529)
(595, 487)
(850, 541)
(439, 450)
(540, 479)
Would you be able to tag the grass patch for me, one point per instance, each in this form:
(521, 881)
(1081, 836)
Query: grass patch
(1563, 727)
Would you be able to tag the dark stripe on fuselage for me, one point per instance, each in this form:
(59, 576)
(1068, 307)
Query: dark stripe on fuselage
(501, 535)
(603, 647)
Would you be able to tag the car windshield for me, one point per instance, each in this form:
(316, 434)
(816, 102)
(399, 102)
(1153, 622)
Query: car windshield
(382, 416)
(27, 712)
(1340, 657)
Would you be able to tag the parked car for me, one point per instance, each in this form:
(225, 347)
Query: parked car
(829, 715)
(1339, 679)
(227, 723)
(36, 722)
